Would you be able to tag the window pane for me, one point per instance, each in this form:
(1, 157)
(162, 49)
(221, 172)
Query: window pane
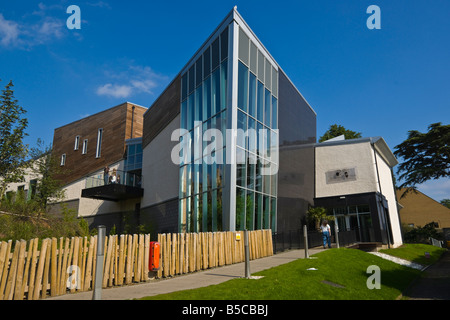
(251, 167)
(251, 135)
(183, 115)
(198, 71)
(191, 111)
(258, 176)
(215, 54)
(242, 125)
(182, 182)
(219, 215)
(273, 179)
(206, 63)
(258, 210)
(205, 212)
(267, 103)
(184, 87)
(214, 210)
(223, 85)
(273, 214)
(240, 167)
(224, 44)
(215, 92)
(260, 102)
(267, 207)
(191, 80)
(242, 87)
(252, 96)
(207, 99)
(198, 104)
(274, 113)
(260, 144)
(249, 210)
(240, 208)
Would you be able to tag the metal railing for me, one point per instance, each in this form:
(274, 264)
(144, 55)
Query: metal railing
(120, 177)
(294, 239)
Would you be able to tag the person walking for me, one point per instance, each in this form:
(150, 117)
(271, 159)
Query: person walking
(326, 234)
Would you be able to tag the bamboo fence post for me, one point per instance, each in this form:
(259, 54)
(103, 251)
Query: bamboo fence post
(18, 294)
(12, 273)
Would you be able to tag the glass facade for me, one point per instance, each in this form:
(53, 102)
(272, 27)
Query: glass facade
(257, 102)
(204, 89)
(204, 105)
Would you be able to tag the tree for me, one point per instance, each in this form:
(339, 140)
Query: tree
(13, 151)
(446, 202)
(336, 130)
(316, 214)
(426, 156)
(46, 167)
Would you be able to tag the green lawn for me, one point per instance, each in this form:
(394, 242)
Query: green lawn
(292, 281)
(416, 253)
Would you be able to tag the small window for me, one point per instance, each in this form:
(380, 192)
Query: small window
(63, 160)
(99, 143)
(85, 144)
(77, 143)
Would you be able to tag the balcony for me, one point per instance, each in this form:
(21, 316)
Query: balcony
(122, 186)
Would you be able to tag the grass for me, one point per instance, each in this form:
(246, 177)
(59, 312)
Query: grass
(292, 281)
(416, 253)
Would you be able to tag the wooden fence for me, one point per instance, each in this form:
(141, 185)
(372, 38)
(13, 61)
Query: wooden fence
(51, 267)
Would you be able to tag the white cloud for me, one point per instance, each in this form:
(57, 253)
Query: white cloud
(9, 32)
(24, 34)
(136, 79)
(116, 91)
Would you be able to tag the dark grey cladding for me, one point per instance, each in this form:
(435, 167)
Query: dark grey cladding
(297, 132)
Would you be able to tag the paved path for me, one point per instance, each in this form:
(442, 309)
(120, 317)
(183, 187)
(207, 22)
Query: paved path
(434, 283)
(190, 281)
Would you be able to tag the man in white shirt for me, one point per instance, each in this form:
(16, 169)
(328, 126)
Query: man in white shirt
(326, 234)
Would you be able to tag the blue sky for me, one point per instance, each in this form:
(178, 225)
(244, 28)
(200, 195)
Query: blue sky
(378, 82)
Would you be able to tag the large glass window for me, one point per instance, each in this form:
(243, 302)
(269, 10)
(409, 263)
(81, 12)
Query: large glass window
(204, 99)
(242, 87)
(258, 113)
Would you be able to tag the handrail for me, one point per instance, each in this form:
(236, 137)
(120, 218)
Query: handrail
(114, 177)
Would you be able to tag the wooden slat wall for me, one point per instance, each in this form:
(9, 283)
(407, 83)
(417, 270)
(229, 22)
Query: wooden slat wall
(36, 269)
(116, 124)
(162, 111)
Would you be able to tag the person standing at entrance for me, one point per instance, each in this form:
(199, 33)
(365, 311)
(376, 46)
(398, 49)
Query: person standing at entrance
(326, 234)
(106, 175)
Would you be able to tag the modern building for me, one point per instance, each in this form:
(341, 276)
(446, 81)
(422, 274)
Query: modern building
(417, 209)
(85, 147)
(354, 181)
(230, 144)
(228, 180)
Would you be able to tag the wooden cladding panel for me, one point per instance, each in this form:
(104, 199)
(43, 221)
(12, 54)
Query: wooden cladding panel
(162, 112)
(114, 123)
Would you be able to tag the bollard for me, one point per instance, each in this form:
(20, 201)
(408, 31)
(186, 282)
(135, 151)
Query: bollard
(247, 255)
(305, 234)
(97, 295)
(336, 235)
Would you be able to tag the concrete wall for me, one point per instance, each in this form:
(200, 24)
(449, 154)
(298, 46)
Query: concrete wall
(387, 189)
(358, 156)
(161, 175)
